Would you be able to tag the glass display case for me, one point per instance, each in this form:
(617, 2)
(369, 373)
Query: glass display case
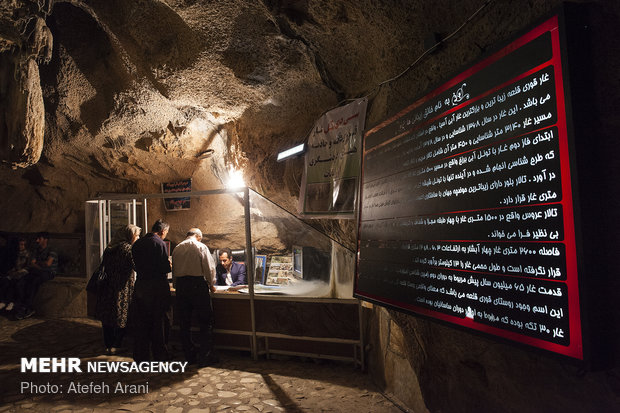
(103, 218)
(290, 257)
(301, 260)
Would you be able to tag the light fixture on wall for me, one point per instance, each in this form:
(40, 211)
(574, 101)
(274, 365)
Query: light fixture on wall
(235, 179)
(205, 154)
(294, 151)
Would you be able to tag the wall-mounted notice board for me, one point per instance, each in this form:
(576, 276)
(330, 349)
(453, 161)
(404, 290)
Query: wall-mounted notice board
(177, 204)
(467, 201)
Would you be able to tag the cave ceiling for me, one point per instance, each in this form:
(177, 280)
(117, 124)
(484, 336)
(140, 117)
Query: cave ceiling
(117, 96)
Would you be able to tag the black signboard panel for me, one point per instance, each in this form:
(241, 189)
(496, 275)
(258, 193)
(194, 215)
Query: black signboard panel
(467, 203)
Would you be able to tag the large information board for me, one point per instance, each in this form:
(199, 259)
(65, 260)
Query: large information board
(467, 202)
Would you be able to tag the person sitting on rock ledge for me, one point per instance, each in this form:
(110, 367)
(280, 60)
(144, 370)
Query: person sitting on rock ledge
(9, 282)
(42, 268)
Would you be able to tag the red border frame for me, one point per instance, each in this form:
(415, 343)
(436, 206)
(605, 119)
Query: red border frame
(575, 347)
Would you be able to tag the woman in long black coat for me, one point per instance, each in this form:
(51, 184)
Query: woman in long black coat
(114, 294)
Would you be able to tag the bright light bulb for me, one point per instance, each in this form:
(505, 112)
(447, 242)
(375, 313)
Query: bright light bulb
(235, 179)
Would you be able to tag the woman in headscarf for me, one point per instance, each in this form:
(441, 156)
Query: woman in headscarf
(114, 293)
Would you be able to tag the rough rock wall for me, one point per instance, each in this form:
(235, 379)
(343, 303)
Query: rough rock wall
(121, 95)
(136, 93)
(26, 43)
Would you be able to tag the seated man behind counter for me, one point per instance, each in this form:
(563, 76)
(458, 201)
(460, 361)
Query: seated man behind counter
(229, 272)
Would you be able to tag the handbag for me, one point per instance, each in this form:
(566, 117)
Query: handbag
(98, 278)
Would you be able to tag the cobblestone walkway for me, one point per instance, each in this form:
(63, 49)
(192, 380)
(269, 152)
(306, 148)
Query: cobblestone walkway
(236, 384)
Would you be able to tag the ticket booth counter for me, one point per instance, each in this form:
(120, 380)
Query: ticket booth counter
(301, 326)
(298, 300)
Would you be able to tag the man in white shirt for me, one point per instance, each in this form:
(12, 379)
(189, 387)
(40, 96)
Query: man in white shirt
(192, 270)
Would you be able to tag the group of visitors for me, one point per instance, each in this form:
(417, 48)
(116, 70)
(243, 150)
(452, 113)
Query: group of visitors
(132, 288)
(25, 273)
(142, 301)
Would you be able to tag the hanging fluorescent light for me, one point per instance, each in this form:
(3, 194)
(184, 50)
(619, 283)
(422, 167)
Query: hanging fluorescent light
(296, 150)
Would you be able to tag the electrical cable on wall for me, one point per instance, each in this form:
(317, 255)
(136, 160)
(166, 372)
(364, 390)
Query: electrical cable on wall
(401, 74)
(430, 49)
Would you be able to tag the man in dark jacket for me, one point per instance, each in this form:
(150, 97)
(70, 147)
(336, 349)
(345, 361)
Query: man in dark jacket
(229, 272)
(151, 297)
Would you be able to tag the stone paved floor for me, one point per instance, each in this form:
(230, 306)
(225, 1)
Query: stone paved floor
(237, 384)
